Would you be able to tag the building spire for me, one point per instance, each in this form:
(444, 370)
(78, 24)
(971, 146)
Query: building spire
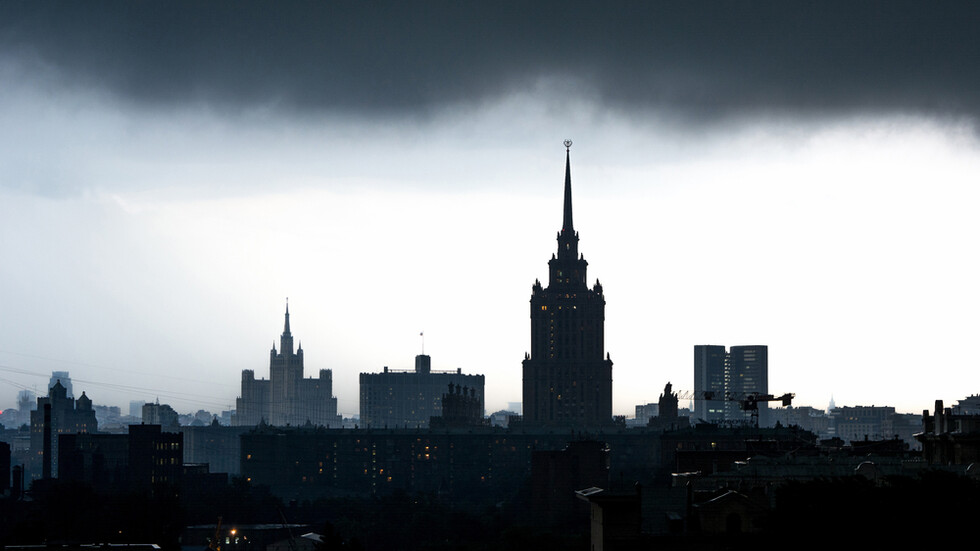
(566, 224)
(285, 330)
(286, 340)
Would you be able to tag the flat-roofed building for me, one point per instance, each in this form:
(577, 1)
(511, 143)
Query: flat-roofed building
(408, 398)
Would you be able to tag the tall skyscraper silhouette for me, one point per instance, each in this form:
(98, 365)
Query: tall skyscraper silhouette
(567, 381)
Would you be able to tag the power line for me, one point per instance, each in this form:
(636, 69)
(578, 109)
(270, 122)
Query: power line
(107, 368)
(186, 397)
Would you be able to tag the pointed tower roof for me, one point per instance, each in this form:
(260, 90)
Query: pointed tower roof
(566, 224)
(285, 331)
(84, 403)
(58, 390)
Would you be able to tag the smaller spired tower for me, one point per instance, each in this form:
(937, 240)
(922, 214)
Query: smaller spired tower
(567, 381)
(287, 398)
(286, 375)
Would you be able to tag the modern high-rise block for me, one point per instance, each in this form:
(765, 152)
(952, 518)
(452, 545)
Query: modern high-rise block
(740, 371)
(748, 373)
(710, 365)
(567, 374)
(287, 398)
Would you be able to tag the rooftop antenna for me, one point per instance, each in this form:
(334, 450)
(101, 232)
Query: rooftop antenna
(422, 335)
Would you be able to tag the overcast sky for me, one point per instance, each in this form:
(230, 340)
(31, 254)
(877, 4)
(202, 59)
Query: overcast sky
(800, 175)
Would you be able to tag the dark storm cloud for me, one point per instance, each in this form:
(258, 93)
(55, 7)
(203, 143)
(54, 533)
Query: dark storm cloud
(693, 58)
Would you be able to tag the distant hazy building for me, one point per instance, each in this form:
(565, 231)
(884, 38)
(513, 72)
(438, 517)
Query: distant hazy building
(136, 408)
(740, 371)
(805, 417)
(65, 382)
(864, 422)
(501, 418)
(26, 400)
(287, 398)
(108, 415)
(13, 418)
(400, 398)
(161, 414)
(644, 412)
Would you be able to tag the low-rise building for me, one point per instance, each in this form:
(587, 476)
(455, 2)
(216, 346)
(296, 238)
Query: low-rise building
(144, 458)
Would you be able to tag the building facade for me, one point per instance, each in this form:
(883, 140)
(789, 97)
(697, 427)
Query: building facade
(968, 406)
(160, 414)
(748, 373)
(475, 466)
(287, 398)
(409, 398)
(950, 438)
(710, 365)
(854, 423)
(64, 416)
(144, 457)
(567, 374)
(460, 409)
(643, 413)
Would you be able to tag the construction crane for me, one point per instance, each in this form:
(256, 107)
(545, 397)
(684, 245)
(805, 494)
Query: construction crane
(215, 544)
(747, 401)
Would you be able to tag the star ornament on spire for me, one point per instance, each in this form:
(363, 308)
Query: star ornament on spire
(568, 144)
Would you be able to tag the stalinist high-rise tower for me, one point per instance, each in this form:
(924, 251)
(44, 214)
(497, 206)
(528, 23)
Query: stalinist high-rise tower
(567, 375)
(287, 398)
